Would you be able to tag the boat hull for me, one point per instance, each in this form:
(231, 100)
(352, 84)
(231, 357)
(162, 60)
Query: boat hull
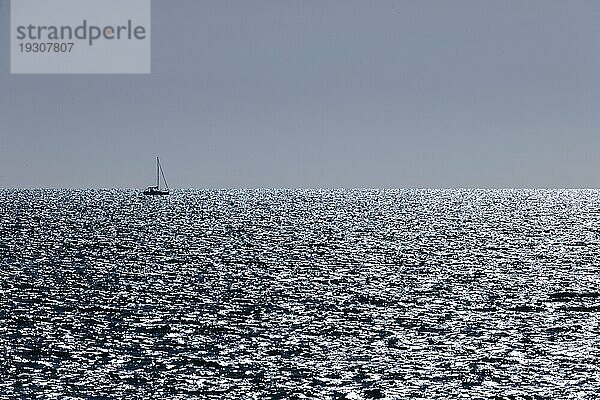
(154, 192)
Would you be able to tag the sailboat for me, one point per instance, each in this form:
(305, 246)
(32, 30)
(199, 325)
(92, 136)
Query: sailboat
(156, 190)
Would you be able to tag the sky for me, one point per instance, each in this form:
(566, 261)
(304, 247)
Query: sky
(323, 93)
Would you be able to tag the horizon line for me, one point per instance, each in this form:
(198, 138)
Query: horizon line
(309, 188)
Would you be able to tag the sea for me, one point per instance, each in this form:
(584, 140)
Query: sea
(300, 294)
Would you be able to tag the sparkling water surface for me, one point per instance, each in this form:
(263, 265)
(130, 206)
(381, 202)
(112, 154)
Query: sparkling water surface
(294, 294)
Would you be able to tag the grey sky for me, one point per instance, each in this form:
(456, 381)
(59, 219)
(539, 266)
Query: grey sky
(323, 93)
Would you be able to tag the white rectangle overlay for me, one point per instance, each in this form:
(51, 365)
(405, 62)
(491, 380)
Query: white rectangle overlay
(80, 36)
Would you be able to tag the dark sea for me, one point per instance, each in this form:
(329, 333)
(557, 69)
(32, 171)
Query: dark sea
(300, 294)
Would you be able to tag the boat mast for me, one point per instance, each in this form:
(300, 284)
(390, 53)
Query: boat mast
(157, 172)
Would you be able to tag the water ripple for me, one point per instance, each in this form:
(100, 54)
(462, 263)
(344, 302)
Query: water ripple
(356, 294)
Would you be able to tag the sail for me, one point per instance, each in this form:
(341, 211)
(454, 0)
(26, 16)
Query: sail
(162, 174)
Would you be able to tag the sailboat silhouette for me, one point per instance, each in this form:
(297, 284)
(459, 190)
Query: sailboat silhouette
(156, 190)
